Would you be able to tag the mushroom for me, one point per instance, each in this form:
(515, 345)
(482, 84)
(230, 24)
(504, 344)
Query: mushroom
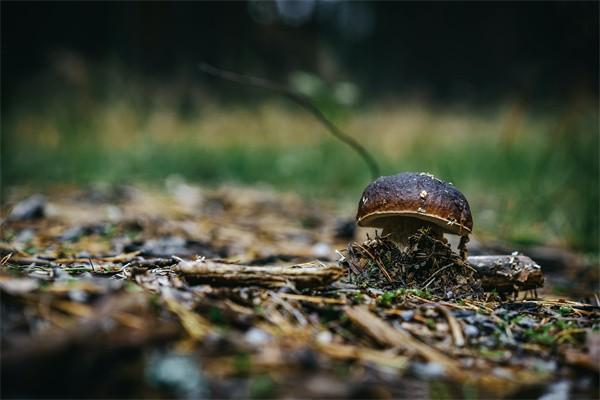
(404, 203)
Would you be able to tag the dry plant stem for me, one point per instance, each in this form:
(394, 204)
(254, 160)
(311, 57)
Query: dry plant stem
(196, 326)
(32, 261)
(379, 264)
(313, 274)
(300, 99)
(431, 279)
(457, 333)
(507, 273)
(363, 354)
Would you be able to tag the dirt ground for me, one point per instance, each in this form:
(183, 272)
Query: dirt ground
(187, 292)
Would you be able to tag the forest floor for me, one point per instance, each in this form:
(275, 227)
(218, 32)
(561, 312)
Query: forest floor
(191, 292)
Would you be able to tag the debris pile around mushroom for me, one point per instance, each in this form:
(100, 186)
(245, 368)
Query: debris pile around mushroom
(427, 264)
(227, 293)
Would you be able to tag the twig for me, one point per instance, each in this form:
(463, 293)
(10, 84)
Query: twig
(139, 262)
(300, 99)
(298, 315)
(378, 262)
(457, 333)
(196, 326)
(6, 258)
(29, 261)
(312, 299)
(431, 278)
(92, 264)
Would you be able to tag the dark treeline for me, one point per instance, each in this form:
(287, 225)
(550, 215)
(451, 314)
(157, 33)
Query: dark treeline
(481, 50)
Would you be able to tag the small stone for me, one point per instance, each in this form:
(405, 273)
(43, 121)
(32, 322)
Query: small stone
(18, 286)
(526, 322)
(78, 295)
(257, 337)
(24, 236)
(546, 366)
(407, 315)
(324, 337)
(29, 208)
(503, 373)
(488, 341)
(321, 250)
(430, 370)
(179, 373)
(471, 331)
(557, 391)
(72, 234)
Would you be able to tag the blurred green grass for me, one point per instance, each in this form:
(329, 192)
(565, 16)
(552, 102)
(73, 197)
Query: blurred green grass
(531, 176)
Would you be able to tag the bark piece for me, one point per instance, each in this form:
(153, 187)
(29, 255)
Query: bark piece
(313, 274)
(509, 273)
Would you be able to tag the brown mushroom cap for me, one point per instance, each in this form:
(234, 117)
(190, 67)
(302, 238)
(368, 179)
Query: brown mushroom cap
(415, 195)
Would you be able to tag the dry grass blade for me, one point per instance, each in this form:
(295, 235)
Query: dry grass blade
(365, 355)
(457, 333)
(312, 299)
(70, 307)
(196, 326)
(298, 316)
(5, 259)
(120, 258)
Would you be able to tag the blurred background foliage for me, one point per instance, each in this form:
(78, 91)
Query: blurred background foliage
(499, 98)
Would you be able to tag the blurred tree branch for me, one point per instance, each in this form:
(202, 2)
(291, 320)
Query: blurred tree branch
(300, 99)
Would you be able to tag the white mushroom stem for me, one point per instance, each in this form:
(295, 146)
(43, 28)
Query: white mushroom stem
(399, 230)
(462, 246)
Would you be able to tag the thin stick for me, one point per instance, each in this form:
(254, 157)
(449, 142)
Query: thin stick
(430, 280)
(300, 99)
(457, 333)
(379, 264)
(92, 264)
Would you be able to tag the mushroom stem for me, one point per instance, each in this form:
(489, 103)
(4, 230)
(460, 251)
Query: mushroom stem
(399, 230)
(462, 246)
